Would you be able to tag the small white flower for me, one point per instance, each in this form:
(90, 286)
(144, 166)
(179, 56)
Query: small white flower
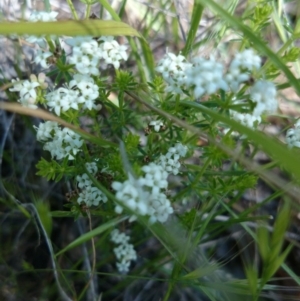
(181, 149)
(241, 67)
(91, 196)
(41, 79)
(119, 238)
(84, 63)
(170, 161)
(46, 130)
(246, 60)
(156, 124)
(173, 70)
(161, 208)
(91, 167)
(132, 195)
(111, 51)
(125, 252)
(60, 143)
(63, 99)
(246, 119)
(26, 91)
(263, 93)
(293, 136)
(28, 102)
(17, 85)
(205, 77)
(123, 267)
(41, 58)
(83, 181)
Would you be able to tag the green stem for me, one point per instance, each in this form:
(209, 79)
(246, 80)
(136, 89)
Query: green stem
(47, 5)
(172, 281)
(88, 11)
(195, 21)
(50, 43)
(107, 6)
(73, 10)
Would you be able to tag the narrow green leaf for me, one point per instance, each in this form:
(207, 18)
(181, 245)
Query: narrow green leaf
(87, 236)
(280, 227)
(24, 211)
(263, 242)
(60, 213)
(195, 21)
(291, 273)
(201, 272)
(251, 273)
(148, 56)
(69, 28)
(45, 216)
(274, 265)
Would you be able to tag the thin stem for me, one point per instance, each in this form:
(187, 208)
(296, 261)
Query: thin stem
(88, 11)
(47, 5)
(63, 294)
(73, 10)
(92, 272)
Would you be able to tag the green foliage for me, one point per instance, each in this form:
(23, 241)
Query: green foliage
(139, 121)
(292, 55)
(261, 16)
(131, 143)
(52, 170)
(45, 216)
(188, 218)
(124, 81)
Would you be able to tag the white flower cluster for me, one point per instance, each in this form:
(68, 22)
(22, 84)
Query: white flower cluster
(205, 77)
(88, 52)
(81, 90)
(170, 161)
(27, 89)
(111, 51)
(246, 119)
(173, 70)
(263, 93)
(293, 135)
(88, 91)
(27, 92)
(90, 195)
(145, 196)
(61, 143)
(125, 252)
(241, 67)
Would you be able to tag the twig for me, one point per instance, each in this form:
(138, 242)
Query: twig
(94, 258)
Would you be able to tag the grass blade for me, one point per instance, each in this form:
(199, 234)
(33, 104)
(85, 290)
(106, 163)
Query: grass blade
(69, 28)
(87, 236)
